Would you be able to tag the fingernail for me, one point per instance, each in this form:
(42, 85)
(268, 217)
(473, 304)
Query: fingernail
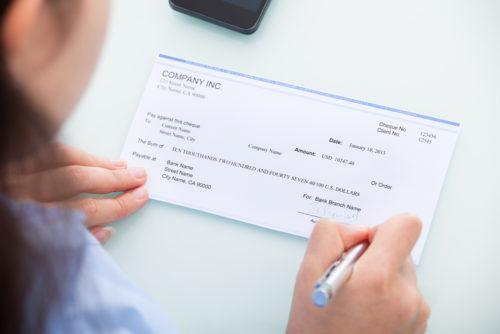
(138, 172)
(361, 227)
(139, 193)
(119, 163)
(105, 234)
(111, 230)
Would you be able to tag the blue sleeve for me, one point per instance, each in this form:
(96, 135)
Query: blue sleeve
(107, 301)
(96, 296)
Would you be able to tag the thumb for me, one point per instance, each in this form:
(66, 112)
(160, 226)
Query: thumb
(328, 242)
(393, 241)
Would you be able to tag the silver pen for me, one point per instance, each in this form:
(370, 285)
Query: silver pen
(336, 275)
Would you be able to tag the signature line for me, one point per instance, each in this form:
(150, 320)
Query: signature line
(308, 214)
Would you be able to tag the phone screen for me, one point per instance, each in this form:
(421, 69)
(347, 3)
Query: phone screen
(252, 5)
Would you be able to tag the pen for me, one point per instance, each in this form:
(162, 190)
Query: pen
(336, 275)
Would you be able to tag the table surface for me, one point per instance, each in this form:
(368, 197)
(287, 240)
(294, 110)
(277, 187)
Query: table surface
(440, 58)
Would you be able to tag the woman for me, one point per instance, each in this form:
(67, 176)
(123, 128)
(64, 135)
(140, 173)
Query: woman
(56, 278)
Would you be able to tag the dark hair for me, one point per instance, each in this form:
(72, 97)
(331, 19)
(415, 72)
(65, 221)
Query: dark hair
(23, 130)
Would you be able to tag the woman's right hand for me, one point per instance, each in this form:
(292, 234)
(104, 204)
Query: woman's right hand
(382, 294)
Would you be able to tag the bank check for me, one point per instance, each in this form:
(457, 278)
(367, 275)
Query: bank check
(282, 156)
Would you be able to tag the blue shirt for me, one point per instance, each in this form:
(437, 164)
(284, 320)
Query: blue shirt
(97, 296)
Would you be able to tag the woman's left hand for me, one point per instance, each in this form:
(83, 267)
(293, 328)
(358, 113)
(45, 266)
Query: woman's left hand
(57, 174)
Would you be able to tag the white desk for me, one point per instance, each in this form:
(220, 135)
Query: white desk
(440, 58)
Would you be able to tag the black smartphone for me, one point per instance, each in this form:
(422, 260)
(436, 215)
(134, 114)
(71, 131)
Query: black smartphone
(240, 15)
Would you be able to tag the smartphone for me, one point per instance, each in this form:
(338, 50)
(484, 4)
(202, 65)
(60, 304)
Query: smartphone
(241, 15)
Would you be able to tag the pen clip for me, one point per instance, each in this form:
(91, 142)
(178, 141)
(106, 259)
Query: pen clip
(327, 273)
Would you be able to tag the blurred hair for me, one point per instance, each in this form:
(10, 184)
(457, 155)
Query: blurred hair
(24, 263)
(23, 129)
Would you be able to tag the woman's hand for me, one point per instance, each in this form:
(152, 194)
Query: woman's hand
(58, 173)
(382, 294)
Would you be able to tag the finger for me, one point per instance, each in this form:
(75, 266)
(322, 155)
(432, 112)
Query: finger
(408, 271)
(101, 211)
(65, 182)
(392, 241)
(102, 233)
(423, 317)
(422, 329)
(328, 242)
(58, 154)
